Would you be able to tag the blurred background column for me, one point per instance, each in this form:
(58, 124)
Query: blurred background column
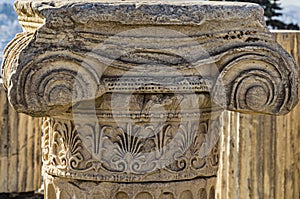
(20, 150)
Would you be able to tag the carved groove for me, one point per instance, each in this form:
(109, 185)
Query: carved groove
(134, 91)
(124, 153)
(202, 194)
(77, 77)
(83, 60)
(253, 81)
(149, 190)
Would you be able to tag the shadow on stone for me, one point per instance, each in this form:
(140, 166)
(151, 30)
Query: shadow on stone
(29, 195)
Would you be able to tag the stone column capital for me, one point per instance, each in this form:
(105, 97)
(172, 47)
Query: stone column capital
(135, 90)
(70, 50)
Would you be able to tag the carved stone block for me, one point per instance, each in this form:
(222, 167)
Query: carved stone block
(65, 189)
(73, 51)
(260, 154)
(134, 91)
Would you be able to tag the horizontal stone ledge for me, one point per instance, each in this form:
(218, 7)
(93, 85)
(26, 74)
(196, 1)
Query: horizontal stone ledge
(77, 46)
(138, 12)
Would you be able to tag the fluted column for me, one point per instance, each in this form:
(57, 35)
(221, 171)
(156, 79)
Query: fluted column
(20, 150)
(134, 91)
(260, 153)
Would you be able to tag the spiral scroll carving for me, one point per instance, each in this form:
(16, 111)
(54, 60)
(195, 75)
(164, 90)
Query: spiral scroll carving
(67, 55)
(11, 53)
(254, 82)
(58, 80)
(252, 79)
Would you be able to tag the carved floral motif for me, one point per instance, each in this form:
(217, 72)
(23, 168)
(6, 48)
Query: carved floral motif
(62, 145)
(171, 148)
(147, 81)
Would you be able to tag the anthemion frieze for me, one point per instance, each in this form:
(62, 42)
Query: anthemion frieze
(133, 92)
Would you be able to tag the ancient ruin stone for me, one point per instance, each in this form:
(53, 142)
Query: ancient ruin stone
(135, 90)
(81, 45)
(20, 151)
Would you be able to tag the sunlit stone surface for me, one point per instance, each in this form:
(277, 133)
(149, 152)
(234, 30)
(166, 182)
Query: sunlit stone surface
(134, 91)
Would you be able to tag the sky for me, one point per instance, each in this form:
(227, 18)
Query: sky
(290, 2)
(7, 1)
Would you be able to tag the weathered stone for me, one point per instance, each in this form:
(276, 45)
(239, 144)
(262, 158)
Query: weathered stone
(134, 91)
(260, 154)
(70, 50)
(66, 188)
(20, 150)
(130, 152)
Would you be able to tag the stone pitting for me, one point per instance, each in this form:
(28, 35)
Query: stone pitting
(134, 91)
(70, 35)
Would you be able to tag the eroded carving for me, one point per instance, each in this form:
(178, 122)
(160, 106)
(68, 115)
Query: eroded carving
(66, 189)
(104, 152)
(254, 81)
(134, 90)
(62, 145)
(245, 60)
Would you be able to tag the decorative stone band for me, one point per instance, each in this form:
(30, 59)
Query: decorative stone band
(79, 47)
(128, 151)
(64, 189)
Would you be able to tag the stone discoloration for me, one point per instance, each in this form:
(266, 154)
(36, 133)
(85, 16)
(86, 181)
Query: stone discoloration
(134, 90)
(20, 151)
(79, 42)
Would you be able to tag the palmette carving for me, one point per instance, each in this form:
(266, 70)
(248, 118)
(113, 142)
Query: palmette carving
(135, 152)
(134, 90)
(128, 156)
(62, 145)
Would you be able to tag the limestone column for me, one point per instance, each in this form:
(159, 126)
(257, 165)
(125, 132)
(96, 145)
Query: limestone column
(134, 91)
(20, 151)
(260, 154)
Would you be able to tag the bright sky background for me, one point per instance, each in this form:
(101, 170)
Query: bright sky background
(290, 2)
